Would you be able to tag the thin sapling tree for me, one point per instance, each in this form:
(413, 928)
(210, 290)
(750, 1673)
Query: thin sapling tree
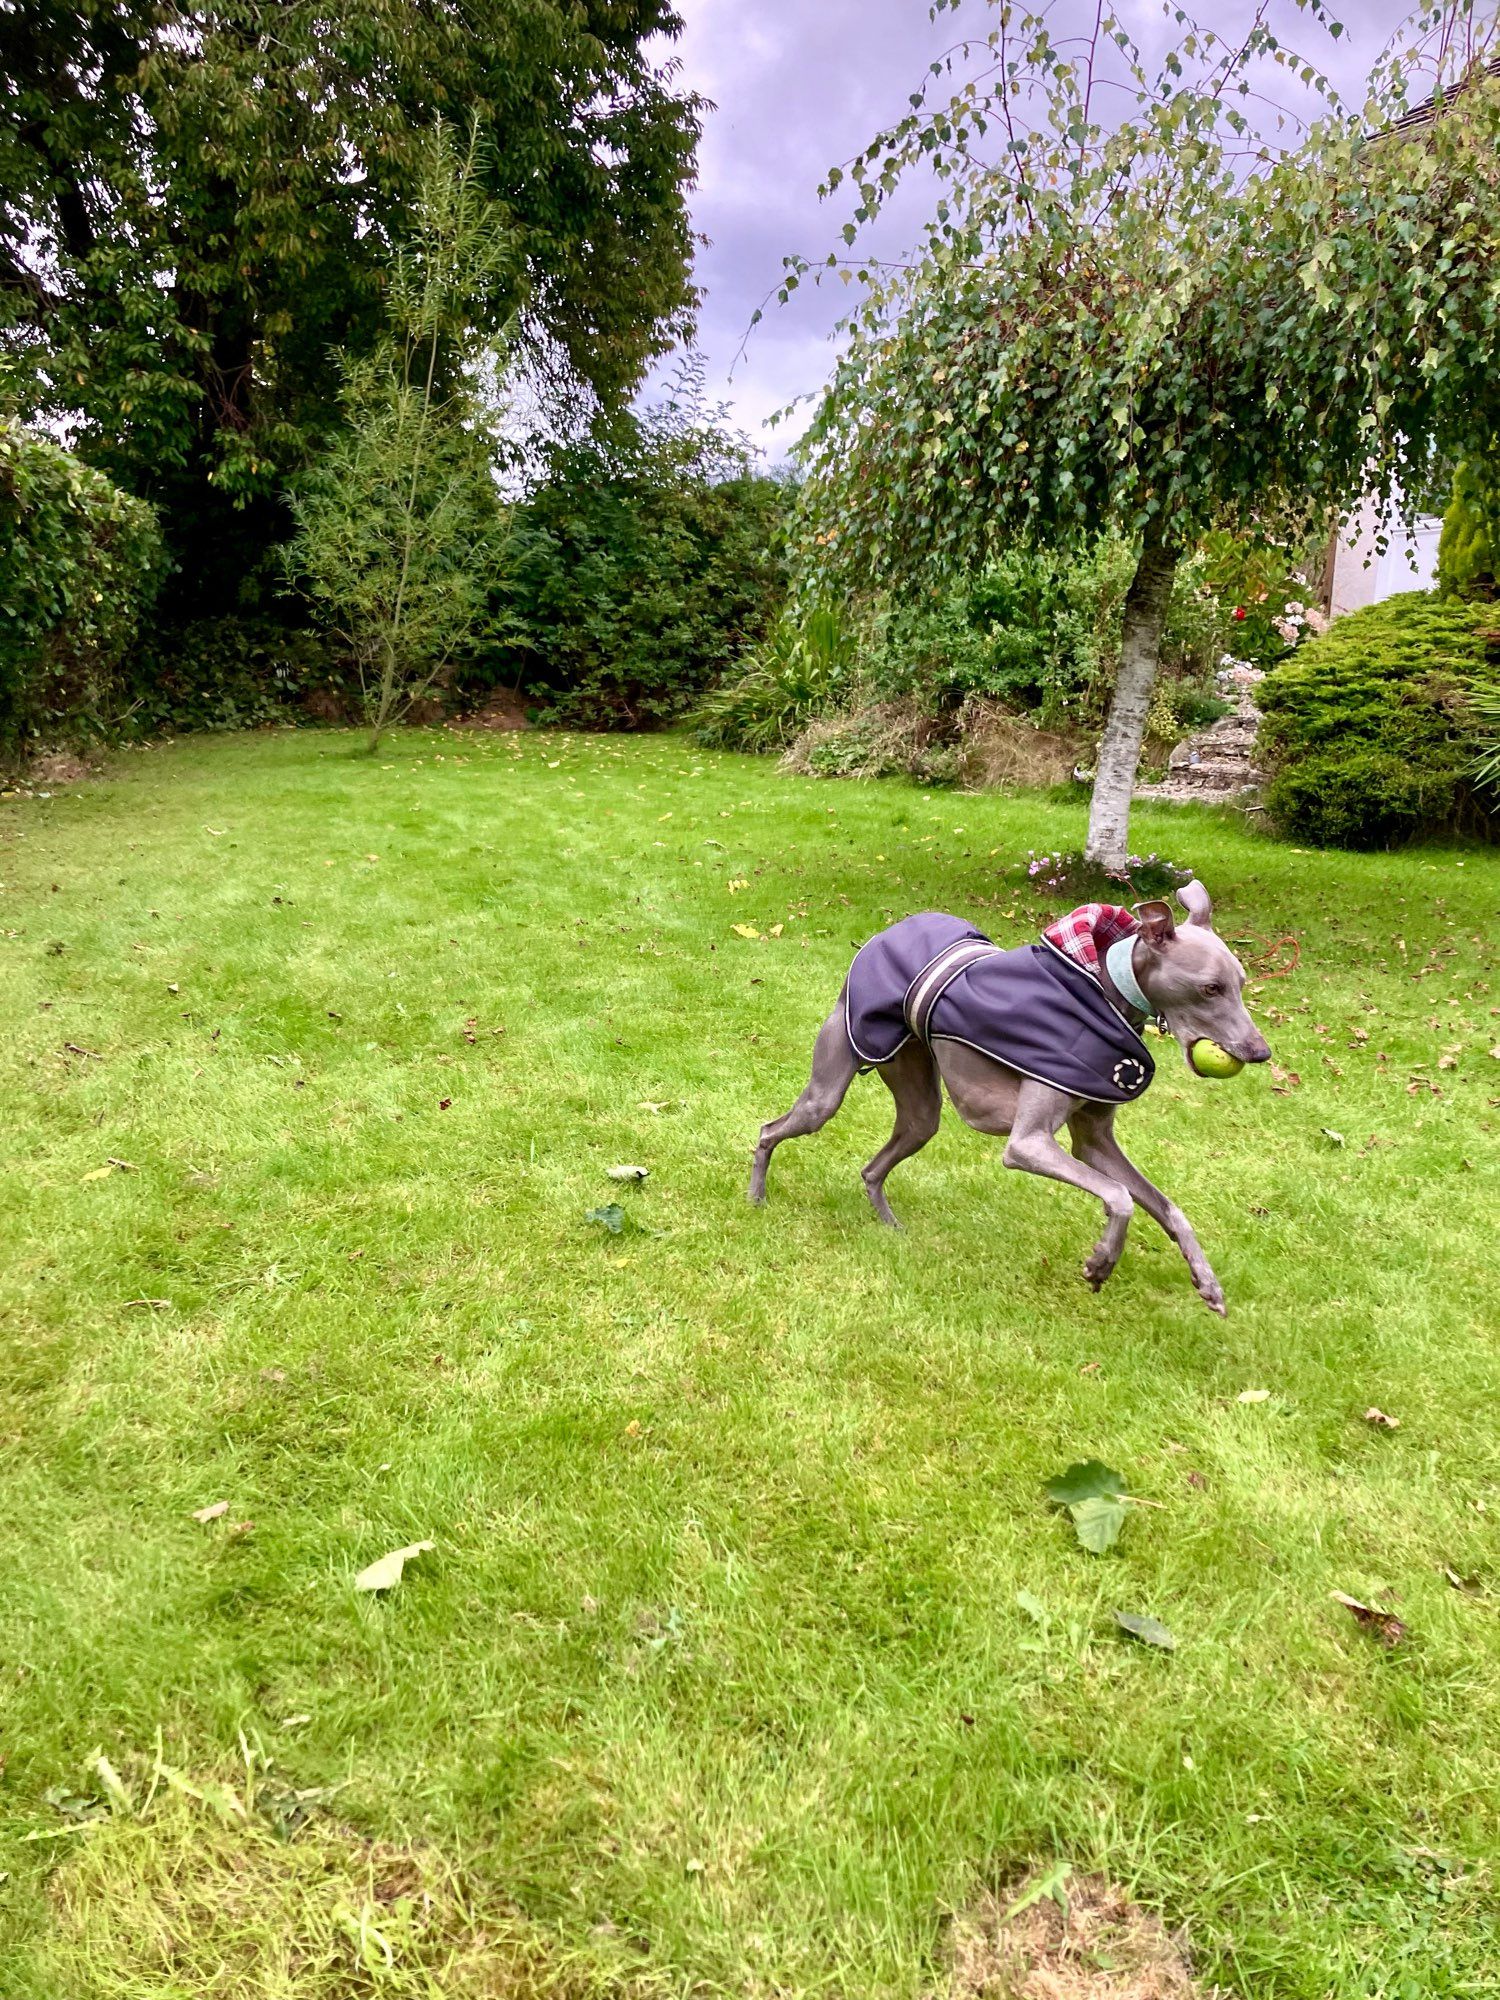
(400, 524)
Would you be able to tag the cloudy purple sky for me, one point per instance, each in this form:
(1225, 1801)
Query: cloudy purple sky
(802, 84)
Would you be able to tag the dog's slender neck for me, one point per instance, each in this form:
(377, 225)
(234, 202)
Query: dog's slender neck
(1120, 968)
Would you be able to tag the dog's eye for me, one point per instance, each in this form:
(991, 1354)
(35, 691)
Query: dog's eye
(1213, 989)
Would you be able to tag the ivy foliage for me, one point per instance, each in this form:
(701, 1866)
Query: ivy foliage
(1370, 730)
(1156, 323)
(200, 206)
(80, 564)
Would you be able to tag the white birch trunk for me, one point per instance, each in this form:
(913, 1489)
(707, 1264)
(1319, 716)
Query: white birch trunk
(1108, 841)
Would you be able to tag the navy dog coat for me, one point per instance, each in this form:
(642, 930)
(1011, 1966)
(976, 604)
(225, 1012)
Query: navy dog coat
(1035, 1009)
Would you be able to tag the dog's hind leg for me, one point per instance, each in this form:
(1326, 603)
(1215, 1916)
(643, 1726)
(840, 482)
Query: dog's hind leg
(834, 1068)
(911, 1076)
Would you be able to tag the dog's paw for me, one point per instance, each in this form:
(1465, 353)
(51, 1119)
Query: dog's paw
(1099, 1266)
(1212, 1293)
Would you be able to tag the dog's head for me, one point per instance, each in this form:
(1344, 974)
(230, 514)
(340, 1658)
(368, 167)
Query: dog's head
(1193, 980)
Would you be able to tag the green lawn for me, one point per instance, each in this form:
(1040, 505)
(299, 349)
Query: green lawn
(716, 1680)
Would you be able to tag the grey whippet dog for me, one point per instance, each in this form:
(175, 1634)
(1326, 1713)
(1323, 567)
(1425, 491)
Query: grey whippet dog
(1193, 983)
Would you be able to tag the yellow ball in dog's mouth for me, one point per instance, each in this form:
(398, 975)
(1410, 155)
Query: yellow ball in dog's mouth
(1208, 1059)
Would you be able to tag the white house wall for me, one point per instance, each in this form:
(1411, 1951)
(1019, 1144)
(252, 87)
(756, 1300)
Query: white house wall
(1362, 575)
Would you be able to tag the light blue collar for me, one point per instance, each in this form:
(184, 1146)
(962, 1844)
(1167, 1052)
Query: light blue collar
(1122, 975)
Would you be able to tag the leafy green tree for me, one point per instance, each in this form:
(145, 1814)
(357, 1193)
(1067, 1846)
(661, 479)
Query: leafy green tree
(400, 531)
(200, 201)
(1151, 324)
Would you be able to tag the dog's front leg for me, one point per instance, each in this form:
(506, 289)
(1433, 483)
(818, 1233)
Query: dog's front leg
(1040, 1113)
(1094, 1140)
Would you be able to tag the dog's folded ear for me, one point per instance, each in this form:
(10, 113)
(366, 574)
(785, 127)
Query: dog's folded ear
(1196, 900)
(1155, 920)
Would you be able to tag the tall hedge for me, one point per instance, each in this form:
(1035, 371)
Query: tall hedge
(644, 565)
(1368, 731)
(80, 563)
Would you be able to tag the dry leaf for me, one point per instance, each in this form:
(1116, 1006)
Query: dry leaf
(1384, 1625)
(628, 1173)
(212, 1513)
(1381, 1420)
(1253, 1396)
(745, 930)
(99, 1174)
(386, 1574)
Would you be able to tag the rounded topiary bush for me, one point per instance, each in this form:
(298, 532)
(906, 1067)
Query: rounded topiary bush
(1367, 731)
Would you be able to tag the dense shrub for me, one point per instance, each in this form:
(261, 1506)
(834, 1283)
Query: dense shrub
(237, 673)
(1034, 629)
(1040, 631)
(1368, 731)
(644, 564)
(80, 562)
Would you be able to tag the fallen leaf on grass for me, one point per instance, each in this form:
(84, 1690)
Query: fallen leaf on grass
(1150, 1631)
(386, 1573)
(211, 1513)
(1034, 1608)
(1086, 1480)
(1384, 1625)
(745, 930)
(1098, 1522)
(1253, 1396)
(612, 1216)
(1094, 1496)
(1468, 1584)
(1381, 1420)
(627, 1173)
(1333, 1138)
(98, 1174)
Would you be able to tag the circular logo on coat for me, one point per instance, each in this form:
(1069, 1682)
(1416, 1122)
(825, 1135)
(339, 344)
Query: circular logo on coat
(1130, 1074)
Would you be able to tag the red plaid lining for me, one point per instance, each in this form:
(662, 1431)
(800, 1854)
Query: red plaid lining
(1085, 934)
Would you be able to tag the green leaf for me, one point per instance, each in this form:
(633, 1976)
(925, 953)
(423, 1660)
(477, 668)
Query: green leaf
(1089, 1479)
(1150, 1631)
(611, 1215)
(1097, 1522)
(1034, 1608)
